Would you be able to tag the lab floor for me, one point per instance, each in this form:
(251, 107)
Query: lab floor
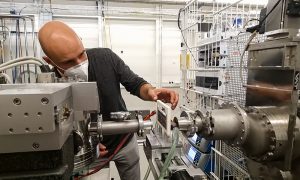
(112, 172)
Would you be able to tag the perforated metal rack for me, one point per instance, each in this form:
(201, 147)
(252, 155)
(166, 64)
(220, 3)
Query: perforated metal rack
(235, 92)
(228, 163)
(207, 27)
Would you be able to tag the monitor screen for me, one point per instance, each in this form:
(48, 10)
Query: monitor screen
(194, 138)
(192, 153)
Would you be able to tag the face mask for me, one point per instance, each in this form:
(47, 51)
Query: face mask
(80, 70)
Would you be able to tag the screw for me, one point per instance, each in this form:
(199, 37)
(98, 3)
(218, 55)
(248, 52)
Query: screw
(17, 101)
(10, 115)
(35, 145)
(44, 101)
(11, 130)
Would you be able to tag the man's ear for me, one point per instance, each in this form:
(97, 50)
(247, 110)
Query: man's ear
(48, 60)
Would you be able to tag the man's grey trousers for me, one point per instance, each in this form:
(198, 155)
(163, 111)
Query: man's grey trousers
(128, 161)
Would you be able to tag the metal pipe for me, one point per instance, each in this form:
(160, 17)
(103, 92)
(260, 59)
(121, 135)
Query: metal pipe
(33, 41)
(184, 123)
(2, 42)
(148, 124)
(118, 127)
(24, 17)
(123, 127)
(3, 26)
(26, 49)
(11, 16)
(226, 124)
(170, 2)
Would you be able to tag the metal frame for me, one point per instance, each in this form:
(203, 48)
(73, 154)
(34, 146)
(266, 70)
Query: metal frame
(226, 32)
(159, 14)
(20, 33)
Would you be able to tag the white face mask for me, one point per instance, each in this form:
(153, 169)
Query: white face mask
(80, 70)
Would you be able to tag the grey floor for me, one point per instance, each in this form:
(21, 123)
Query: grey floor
(112, 172)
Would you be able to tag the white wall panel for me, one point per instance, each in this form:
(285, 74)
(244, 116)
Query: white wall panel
(134, 42)
(86, 28)
(171, 39)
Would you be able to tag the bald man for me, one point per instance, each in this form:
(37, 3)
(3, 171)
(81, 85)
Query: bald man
(64, 50)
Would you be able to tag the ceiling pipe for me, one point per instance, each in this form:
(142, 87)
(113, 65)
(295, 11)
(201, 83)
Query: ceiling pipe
(169, 2)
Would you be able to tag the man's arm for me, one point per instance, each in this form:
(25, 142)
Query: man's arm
(138, 86)
(131, 81)
(149, 93)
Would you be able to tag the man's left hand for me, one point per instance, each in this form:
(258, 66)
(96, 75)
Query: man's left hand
(165, 95)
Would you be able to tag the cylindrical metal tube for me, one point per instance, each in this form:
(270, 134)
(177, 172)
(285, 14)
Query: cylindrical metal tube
(118, 127)
(93, 128)
(114, 127)
(184, 123)
(268, 133)
(226, 124)
(148, 124)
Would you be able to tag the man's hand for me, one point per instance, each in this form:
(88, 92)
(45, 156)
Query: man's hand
(165, 95)
(149, 93)
(102, 150)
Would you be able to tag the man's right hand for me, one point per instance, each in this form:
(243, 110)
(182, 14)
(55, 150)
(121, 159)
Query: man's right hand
(102, 150)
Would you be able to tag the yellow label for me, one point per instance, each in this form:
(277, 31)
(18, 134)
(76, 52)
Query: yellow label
(180, 60)
(188, 61)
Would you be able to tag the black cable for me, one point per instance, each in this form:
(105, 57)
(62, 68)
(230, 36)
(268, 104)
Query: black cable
(50, 5)
(258, 27)
(262, 21)
(184, 40)
(22, 10)
(178, 20)
(102, 8)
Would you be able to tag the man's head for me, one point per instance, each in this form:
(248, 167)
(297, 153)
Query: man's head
(62, 46)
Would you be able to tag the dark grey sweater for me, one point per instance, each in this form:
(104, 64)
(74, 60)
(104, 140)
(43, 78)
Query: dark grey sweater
(109, 70)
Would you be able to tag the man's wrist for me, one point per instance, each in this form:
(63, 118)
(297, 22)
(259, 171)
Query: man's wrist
(150, 88)
(145, 90)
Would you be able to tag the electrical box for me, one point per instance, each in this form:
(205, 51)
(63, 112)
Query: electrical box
(211, 81)
(213, 55)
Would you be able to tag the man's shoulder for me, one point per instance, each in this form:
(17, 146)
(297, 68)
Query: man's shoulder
(97, 51)
(100, 57)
